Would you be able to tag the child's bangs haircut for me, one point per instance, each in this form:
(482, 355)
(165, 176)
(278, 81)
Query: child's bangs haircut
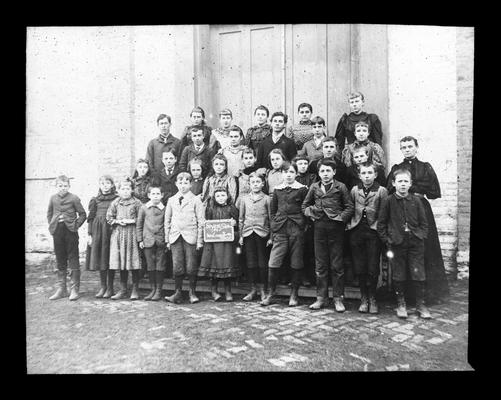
(236, 128)
(197, 161)
(225, 111)
(255, 174)
(153, 186)
(195, 129)
(162, 116)
(408, 139)
(354, 95)
(199, 110)
(318, 120)
(108, 178)
(303, 105)
(287, 164)
(356, 149)
(279, 114)
(367, 164)
(301, 157)
(248, 150)
(362, 123)
(222, 158)
(184, 175)
(169, 150)
(328, 139)
(126, 181)
(277, 151)
(401, 171)
(264, 108)
(328, 163)
(224, 189)
(142, 161)
(62, 178)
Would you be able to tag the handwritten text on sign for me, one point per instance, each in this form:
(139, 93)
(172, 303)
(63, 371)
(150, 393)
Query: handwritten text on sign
(218, 230)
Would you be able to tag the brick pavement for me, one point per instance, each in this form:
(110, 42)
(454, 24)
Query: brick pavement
(254, 329)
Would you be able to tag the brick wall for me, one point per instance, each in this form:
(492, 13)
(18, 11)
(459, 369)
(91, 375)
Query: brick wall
(422, 103)
(465, 52)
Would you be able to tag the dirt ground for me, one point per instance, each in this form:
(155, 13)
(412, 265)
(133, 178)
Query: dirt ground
(104, 336)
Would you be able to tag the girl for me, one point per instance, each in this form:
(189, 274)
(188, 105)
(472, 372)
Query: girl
(234, 151)
(142, 178)
(219, 178)
(195, 166)
(358, 156)
(197, 117)
(98, 242)
(287, 224)
(274, 176)
(220, 137)
(261, 130)
(219, 259)
(124, 248)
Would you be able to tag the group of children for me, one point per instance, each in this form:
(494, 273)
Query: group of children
(295, 190)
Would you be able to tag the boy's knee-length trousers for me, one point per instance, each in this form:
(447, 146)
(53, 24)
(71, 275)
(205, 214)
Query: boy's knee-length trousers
(66, 248)
(328, 243)
(289, 239)
(184, 257)
(408, 259)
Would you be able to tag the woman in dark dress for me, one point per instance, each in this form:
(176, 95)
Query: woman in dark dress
(425, 183)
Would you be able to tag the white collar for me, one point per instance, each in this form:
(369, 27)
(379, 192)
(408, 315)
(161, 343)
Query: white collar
(160, 205)
(295, 185)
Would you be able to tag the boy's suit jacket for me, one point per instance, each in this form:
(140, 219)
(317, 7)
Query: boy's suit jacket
(336, 203)
(185, 218)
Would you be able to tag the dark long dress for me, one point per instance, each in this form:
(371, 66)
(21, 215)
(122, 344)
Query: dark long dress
(425, 181)
(98, 255)
(346, 128)
(219, 260)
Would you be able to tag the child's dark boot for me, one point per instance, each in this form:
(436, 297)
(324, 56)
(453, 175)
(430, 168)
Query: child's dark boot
(227, 290)
(61, 291)
(421, 309)
(122, 293)
(153, 286)
(401, 306)
(322, 294)
(75, 284)
(191, 294)
(177, 296)
(110, 273)
(159, 279)
(102, 291)
(295, 280)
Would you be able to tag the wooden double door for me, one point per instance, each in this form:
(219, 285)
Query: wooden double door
(280, 66)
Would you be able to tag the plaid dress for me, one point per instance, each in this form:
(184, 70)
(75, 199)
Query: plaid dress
(124, 248)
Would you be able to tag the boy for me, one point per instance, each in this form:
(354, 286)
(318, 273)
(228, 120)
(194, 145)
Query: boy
(313, 148)
(164, 141)
(287, 226)
(329, 152)
(365, 245)
(197, 149)
(150, 236)
(166, 178)
(254, 227)
(362, 139)
(328, 204)
(184, 221)
(301, 133)
(63, 226)
(277, 140)
(346, 125)
(402, 226)
(261, 130)
(234, 151)
(220, 137)
(307, 179)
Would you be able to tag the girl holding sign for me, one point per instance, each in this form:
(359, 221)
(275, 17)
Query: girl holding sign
(219, 261)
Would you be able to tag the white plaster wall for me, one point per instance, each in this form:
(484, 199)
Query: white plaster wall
(422, 103)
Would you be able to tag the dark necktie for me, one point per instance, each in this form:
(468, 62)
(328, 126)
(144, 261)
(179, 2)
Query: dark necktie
(181, 199)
